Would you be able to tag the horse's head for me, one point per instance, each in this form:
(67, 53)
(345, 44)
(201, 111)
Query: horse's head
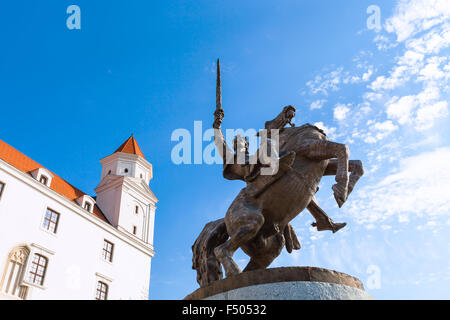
(285, 117)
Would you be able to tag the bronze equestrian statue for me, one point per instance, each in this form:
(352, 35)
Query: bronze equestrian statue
(258, 220)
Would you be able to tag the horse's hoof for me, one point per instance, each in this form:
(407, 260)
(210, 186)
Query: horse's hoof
(231, 268)
(233, 272)
(340, 194)
(224, 257)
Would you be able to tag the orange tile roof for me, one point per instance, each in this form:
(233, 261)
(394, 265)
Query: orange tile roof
(25, 164)
(130, 146)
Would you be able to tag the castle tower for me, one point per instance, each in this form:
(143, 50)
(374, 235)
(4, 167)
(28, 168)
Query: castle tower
(124, 195)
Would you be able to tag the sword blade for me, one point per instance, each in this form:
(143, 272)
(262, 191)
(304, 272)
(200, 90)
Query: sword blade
(218, 88)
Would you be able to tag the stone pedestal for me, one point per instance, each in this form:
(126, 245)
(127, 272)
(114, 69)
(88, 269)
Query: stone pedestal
(288, 283)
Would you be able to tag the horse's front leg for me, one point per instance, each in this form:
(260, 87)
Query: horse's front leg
(355, 167)
(324, 150)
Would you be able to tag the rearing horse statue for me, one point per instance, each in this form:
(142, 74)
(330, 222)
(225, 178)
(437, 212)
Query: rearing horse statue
(258, 220)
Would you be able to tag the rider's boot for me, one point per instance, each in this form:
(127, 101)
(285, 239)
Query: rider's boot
(323, 221)
(330, 225)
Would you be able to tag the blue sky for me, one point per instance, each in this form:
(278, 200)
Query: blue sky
(70, 97)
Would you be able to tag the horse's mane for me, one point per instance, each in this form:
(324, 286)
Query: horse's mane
(301, 128)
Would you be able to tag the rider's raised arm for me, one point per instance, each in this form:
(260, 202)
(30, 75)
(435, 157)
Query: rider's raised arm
(224, 150)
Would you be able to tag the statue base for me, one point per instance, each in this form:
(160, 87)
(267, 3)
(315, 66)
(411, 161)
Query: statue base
(287, 283)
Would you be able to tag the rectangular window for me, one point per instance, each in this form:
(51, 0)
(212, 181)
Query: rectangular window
(51, 220)
(108, 249)
(37, 270)
(134, 230)
(43, 180)
(87, 206)
(136, 210)
(102, 291)
(2, 186)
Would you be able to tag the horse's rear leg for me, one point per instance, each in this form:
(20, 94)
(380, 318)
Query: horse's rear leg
(324, 150)
(263, 251)
(245, 228)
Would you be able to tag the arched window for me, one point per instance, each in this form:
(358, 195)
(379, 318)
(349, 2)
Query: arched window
(13, 273)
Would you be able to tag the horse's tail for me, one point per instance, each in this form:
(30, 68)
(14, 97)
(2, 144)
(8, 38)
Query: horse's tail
(204, 260)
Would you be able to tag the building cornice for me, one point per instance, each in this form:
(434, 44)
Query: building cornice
(30, 181)
(126, 156)
(115, 181)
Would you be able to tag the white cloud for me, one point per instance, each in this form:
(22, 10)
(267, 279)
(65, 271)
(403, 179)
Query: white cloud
(431, 42)
(329, 81)
(330, 131)
(400, 108)
(383, 43)
(412, 17)
(366, 76)
(410, 58)
(386, 126)
(432, 71)
(348, 78)
(318, 104)
(379, 130)
(399, 75)
(423, 27)
(407, 193)
(420, 110)
(372, 96)
(428, 113)
(340, 111)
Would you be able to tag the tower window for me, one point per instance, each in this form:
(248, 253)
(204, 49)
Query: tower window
(134, 230)
(102, 291)
(142, 176)
(87, 206)
(108, 249)
(2, 186)
(109, 172)
(126, 170)
(43, 179)
(136, 210)
(38, 268)
(51, 220)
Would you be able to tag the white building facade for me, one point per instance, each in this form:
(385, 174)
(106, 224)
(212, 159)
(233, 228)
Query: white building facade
(58, 243)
